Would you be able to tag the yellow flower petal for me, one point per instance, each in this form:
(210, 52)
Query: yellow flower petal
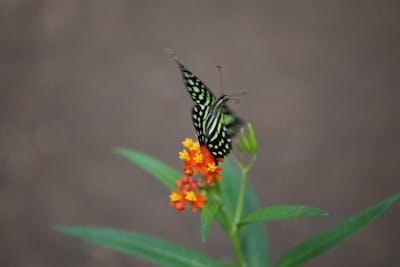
(191, 196)
(195, 146)
(184, 155)
(211, 167)
(174, 197)
(187, 142)
(198, 158)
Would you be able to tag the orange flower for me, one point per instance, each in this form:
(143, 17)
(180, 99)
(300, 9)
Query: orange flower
(187, 142)
(188, 193)
(176, 200)
(184, 155)
(213, 172)
(195, 199)
(197, 159)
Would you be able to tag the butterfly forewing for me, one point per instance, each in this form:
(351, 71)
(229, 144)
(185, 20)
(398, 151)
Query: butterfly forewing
(196, 88)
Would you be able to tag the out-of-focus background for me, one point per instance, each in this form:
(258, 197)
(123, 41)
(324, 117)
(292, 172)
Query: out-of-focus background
(80, 77)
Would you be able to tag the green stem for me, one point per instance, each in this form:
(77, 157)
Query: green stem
(237, 162)
(239, 208)
(251, 165)
(234, 238)
(238, 249)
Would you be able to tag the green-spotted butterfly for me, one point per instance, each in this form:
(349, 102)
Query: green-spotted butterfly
(214, 123)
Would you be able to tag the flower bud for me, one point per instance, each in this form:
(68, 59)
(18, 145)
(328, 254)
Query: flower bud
(179, 206)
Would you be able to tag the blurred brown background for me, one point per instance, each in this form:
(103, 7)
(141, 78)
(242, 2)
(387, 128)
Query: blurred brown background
(81, 77)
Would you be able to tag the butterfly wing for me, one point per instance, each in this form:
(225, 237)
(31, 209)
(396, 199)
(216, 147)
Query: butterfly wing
(199, 115)
(203, 98)
(222, 125)
(231, 122)
(196, 88)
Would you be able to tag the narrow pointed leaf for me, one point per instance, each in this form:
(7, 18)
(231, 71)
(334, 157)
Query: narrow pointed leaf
(207, 216)
(229, 186)
(281, 212)
(163, 172)
(157, 251)
(322, 242)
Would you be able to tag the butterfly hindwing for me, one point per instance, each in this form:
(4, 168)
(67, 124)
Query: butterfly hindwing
(219, 143)
(231, 121)
(199, 113)
(220, 128)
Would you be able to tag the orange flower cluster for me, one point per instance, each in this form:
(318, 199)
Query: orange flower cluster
(188, 193)
(198, 159)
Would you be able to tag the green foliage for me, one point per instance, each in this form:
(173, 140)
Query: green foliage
(164, 173)
(244, 141)
(234, 205)
(281, 212)
(252, 139)
(248, 143)
(157, 251)
(207, 216)
(253, 238)
(322, 242)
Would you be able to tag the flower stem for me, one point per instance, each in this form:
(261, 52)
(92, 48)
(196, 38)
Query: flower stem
(233, 236)
(237, 248)
(239, 208)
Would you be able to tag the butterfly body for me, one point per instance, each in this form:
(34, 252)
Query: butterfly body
(214, 123)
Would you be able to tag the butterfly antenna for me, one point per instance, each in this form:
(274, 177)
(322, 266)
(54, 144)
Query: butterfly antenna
(220, 79)
(239, 94)
(234, 99)
(172, 54)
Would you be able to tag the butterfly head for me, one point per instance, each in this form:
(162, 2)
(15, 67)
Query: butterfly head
(225, 98)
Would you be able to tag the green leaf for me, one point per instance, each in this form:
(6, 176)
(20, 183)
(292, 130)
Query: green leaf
(229, 186)
(253, 238)
(281, 212)
(155, 167)
(322, 242)
(207, 216)
(157, 251)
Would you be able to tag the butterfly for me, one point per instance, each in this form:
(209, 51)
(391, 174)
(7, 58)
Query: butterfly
(215, 124)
